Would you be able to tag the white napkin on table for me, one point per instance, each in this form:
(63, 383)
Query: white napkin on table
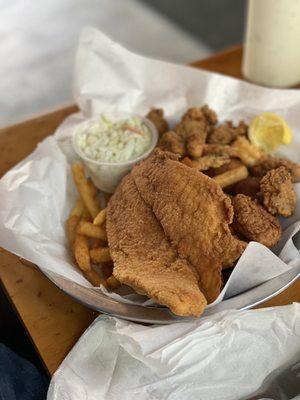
(223, 357)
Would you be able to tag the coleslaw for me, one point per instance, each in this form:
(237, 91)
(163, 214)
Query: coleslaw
(115, 141)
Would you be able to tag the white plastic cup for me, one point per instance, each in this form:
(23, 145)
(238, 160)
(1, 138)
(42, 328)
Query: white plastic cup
(272, 46)
(105, 175)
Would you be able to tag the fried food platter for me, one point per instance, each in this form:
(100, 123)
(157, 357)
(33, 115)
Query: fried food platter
(180, 220)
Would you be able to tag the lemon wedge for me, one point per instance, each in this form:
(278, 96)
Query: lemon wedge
(269, 131)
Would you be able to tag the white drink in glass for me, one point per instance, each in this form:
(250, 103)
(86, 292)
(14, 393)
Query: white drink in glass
(272, 48)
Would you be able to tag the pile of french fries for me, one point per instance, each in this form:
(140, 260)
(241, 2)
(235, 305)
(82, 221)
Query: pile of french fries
(86, 232)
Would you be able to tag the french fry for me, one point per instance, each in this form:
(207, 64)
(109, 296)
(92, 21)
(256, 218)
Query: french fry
(77, 210)
(85, 190)
(73, 221)
(86, 216)
(112, 283)
(82, 253)
(93, 278)
(93, 188)
(248, 153)
(100, 218)
(101, 254)
(94, 231)
(230, 177)
(71, 227)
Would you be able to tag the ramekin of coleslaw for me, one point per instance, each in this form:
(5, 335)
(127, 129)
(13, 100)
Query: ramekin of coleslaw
(110, 144)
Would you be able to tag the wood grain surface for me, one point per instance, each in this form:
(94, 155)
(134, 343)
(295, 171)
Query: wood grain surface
(52, 319)
(226, 62)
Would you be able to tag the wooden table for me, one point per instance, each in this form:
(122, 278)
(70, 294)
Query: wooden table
(53, 320)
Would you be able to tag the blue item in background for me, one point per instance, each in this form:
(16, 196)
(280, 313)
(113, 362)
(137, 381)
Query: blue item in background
(19, 379)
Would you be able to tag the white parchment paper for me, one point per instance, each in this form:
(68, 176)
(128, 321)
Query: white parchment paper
(37, 194)
(224, 357)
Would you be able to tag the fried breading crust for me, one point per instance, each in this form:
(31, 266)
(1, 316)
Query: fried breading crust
(156, 116)
(203, 113)
(193, 133)
(219, 150)
(278, 193)
(254, 222)
(196, 124)
(206, 162)
(210, 115)
(268, 163)
(143, 256)
(247, 152)
(172, 142)
(226, 133)
(183, 200)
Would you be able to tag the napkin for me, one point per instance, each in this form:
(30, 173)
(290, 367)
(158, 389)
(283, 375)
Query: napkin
(36, 195)
(223, 357)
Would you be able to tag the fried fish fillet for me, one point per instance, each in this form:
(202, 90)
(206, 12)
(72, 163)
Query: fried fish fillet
(194, 213)
(143, 256)
(168, 233)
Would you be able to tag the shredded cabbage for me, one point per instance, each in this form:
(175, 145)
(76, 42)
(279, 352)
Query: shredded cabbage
(109, 141)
